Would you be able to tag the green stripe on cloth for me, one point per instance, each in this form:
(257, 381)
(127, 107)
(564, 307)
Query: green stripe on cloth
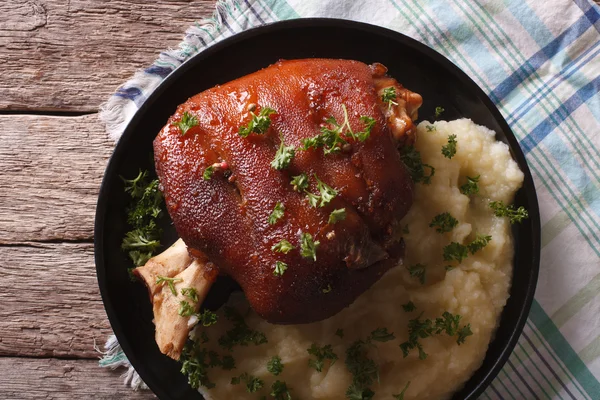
(554, 227)
(591, 351)
(576, 302)
(564, 350)
(282, 9)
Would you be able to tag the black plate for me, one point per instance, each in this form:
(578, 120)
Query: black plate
(417, 66)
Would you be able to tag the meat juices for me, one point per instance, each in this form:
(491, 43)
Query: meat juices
(226, 217)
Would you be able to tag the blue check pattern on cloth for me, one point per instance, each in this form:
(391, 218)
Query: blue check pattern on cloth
(539, 61)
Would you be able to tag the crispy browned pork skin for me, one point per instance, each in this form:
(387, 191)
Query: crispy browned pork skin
(225, 219)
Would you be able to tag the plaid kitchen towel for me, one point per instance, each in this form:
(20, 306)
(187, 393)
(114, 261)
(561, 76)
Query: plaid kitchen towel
(539, 61)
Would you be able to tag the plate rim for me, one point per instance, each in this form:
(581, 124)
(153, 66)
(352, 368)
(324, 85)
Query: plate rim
(516, 152)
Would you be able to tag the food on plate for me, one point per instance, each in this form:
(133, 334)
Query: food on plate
(368, 250)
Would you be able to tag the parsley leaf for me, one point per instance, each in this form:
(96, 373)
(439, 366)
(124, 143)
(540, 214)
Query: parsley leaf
(313, 199)
(337, 215)
(455, 252)
(161, 280)
(412, 160)
(227, 363)
(438, 112)
(463, 333)
(431, 128)
(186, 122)
(283, 156)
(253, 384)
(277, 213)
(259, 124)
(417, 271)
(299, 182)
(208, 318)
(443, 222)
(194, 365)
(280, 391)
(208, 173)
(514, 215)
(449, 150)
(389, 96)
(327, 192)
(280, 268)
(479, 243)
(321, 354)
(283, 247)
(240, 334)
(382, 335)
(274, 365)
(471, 187)
(365, 133)
(339, 332)
(327, 289)
(191, 293)
(185, 309)
(401, 395)
(409, 307)
(363, 369)
(308, 247)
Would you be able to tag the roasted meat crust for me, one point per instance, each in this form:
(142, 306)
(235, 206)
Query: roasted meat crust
(226, 217)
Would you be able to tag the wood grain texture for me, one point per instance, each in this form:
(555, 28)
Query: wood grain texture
(70, 55)
(52, 379)
(51, 173)
(50, 305)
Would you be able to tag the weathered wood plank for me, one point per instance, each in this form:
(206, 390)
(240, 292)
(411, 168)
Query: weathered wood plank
(71, 54)
(51, 173)
(50, 305)
(47, 378)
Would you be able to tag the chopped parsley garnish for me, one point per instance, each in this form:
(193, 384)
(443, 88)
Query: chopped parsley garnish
(443, 222)
(253, 384)
(430, 128)
(455, 252)
(161, 280)
(321, 354)
(227, 363)
(479, 243)
(185, 309)
(277, 213)
(389, 96)
(417, 271)
(299, 182)
(471, 187)
(412, 160)
(240, 334)
(337, 215)
(409, 307)
(274, 365)
(283, 247)
(313, 199)
(401, 395)
(186, 122)
(308, 247)
(194, 365)
(339, 332)
(332, 138)
(284, 156)
(514, 215)
(190, 293)
(447, 323)
(280, 391)
(208, 318)
(327, 289)
(382, 335)
(280, 268)
(327, 192)
(363, 369)
(208, 173)
(259, 123)
(449, 150)
(438, 112)
(146, 207)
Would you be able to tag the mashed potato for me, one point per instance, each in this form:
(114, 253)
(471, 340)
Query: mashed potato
(476, 289)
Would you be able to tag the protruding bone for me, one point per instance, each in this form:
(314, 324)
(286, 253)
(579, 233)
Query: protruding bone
(172, 329)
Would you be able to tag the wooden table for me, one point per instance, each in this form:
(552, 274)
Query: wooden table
(59, 59)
